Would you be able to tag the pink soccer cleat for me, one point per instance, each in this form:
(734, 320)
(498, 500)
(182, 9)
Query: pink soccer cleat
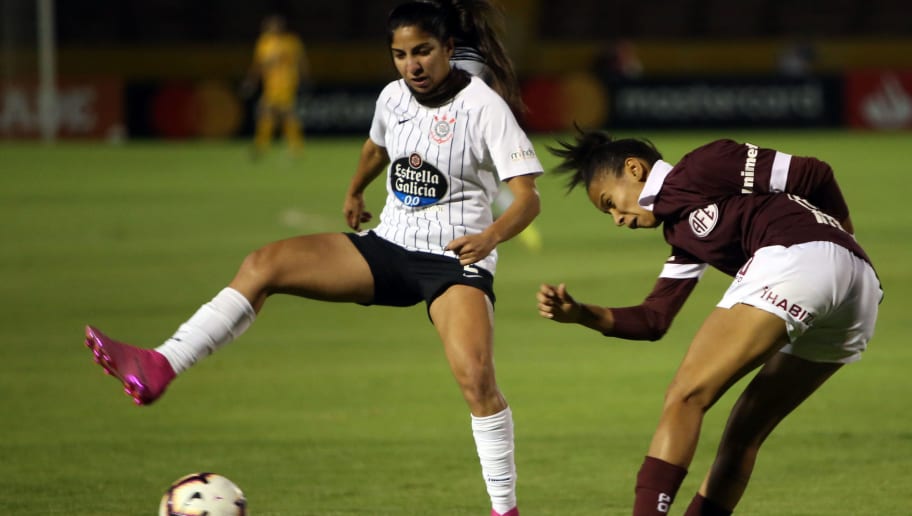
(512, 512)
(145, 373)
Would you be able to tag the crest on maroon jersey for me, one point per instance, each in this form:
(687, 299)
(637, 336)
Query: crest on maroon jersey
(704, 220)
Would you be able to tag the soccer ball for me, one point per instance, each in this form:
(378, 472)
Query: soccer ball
(203, 494)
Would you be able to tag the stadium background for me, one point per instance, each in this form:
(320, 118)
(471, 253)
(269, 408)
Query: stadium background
(170, 69)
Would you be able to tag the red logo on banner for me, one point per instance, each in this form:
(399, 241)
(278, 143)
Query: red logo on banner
(184, 110)
(879, 99)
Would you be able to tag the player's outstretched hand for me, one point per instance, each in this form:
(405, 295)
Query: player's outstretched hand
(557, 304)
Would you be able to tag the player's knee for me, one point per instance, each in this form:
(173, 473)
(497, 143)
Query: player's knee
(259, 266)
(689, 396)
(478, 386)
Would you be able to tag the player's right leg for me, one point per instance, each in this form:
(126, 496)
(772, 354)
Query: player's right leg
(730, 343)
(324, 266)
(782, 384)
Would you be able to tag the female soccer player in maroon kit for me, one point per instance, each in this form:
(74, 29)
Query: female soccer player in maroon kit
(803, 301)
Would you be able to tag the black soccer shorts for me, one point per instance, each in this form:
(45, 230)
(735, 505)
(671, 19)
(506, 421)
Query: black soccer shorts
(405, 278)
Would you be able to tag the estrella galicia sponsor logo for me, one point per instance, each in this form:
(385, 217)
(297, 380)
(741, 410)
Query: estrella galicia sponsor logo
(522, 154)
(442, 128)
(416, 183)
(703, 220)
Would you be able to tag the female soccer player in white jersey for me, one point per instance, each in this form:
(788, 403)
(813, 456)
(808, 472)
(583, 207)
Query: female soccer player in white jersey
(445, 140)
(803, 302)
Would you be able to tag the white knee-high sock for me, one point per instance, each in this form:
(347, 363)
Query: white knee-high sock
(494, 441)
(215, 324)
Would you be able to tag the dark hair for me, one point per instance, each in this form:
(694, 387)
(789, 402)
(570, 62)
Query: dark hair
(474, 23)
(480, 25)
(596, 151)
(426, 16)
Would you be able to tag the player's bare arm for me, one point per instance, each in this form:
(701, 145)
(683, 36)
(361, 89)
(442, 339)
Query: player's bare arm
(371, 163)
(525, 207)
(555, 303)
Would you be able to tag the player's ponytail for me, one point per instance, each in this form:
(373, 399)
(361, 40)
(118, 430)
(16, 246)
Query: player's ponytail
(595, 151)
(480, 24)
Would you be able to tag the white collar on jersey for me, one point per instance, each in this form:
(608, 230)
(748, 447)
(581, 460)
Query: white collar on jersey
(654, 183)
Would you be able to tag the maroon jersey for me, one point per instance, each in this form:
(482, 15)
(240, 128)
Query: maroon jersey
(720, 204)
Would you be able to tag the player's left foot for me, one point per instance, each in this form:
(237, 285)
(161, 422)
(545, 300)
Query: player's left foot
(512, 512)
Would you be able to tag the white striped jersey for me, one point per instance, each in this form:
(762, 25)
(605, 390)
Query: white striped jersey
(445, 164)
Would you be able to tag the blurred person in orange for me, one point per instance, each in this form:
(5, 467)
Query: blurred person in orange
(280, 64)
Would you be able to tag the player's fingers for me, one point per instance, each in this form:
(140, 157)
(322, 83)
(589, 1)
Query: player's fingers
(353, 217)
(467, 259)
(456, 244)
(468, 249)
(545, 297)
(562, 294)
(554, 295)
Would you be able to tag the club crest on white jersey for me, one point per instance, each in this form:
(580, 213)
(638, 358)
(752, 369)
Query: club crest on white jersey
(442, 128)
(416, 183)
(704, 220)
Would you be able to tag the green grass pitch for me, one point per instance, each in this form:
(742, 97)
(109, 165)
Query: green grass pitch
(331, 409)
